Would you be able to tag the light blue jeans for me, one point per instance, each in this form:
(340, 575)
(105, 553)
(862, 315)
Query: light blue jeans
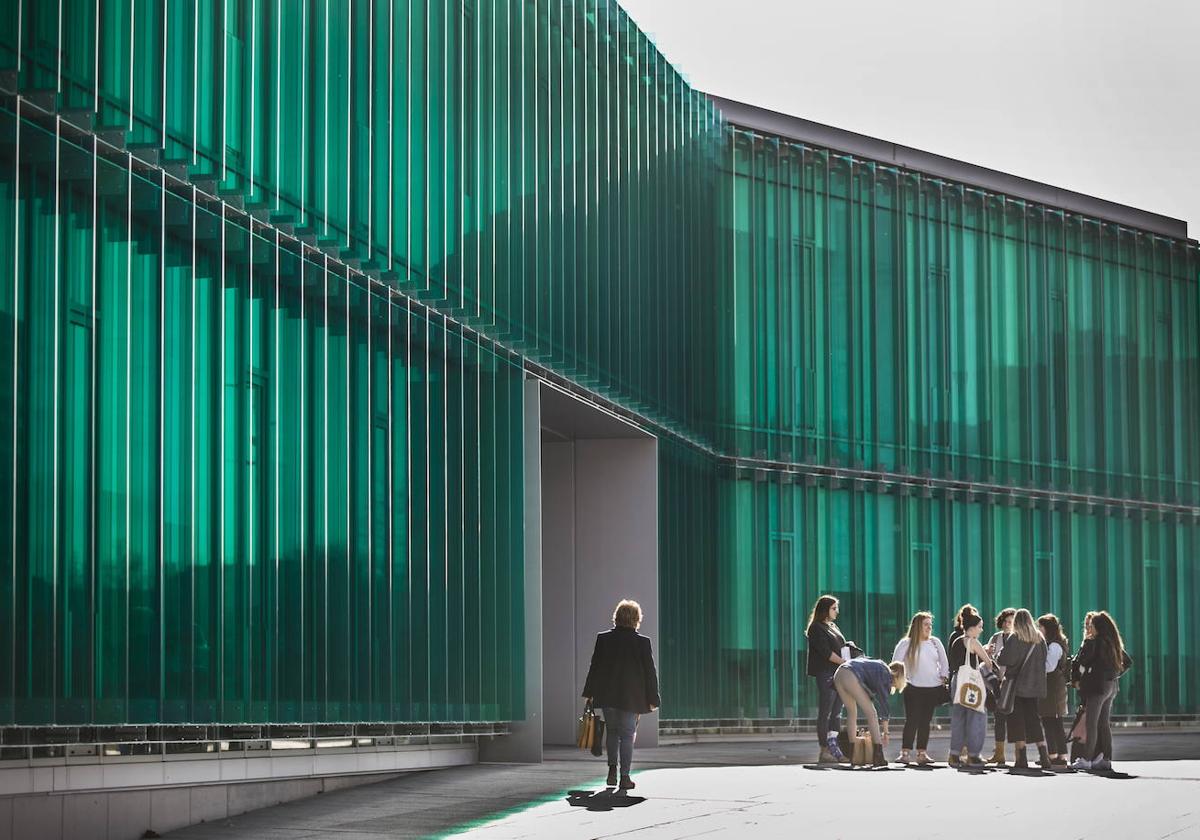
(620, 730)
(967, 727)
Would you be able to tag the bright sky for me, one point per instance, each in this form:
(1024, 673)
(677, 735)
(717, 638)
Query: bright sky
(1096, 96)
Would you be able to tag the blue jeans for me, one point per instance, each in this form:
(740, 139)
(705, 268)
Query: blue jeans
(620, 730)
(967, 728)
(829, 710)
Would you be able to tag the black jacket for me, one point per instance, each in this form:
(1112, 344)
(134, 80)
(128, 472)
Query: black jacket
(1091, 669)
(622, 674)
(823, 640)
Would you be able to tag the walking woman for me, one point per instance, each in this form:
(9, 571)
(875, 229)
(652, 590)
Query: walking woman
(623, 682)
(968, 727)
(867, 683)
(1004, 626)
(826, 644)
(1100, 663)
(1053, 707)
(1024, 661)
(928, 671)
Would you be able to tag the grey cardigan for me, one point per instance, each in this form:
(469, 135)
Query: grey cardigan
(1031, 678)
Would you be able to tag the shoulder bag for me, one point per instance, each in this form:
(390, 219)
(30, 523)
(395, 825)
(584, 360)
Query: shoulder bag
(969, 690)
(1007, 697)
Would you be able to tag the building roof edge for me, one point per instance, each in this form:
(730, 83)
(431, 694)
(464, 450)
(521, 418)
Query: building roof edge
(767, 121)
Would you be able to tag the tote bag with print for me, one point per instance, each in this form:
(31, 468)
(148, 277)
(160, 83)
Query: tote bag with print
(969, 689)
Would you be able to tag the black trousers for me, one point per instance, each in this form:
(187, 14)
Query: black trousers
(919, 705)
(1024, 724)
(1056, 738)
(829, 710)
(1001, 727)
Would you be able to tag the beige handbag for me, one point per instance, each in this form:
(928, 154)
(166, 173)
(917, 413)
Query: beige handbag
(586, 736)
(864, 749)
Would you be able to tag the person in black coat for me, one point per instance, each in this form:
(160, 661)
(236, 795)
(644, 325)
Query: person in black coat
(826, 646)
(623, 682)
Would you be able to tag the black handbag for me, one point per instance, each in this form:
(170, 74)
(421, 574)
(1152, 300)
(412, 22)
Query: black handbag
(1007, 698)
(598, 736)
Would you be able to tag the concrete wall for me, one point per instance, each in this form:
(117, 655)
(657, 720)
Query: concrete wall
(119, 798)
(599, 545)
(561, 686)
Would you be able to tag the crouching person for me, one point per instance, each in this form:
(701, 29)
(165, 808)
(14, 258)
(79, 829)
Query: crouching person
(867, 683)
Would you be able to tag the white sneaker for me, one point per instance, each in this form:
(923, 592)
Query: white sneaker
(1081, 764)
(1101, 763)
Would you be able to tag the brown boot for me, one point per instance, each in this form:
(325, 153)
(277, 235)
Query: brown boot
(998, 756)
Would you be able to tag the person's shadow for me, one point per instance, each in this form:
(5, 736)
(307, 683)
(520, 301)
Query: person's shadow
(602, 800)
(1112, 774)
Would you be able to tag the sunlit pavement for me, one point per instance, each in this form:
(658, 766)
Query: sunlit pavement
(758, 789)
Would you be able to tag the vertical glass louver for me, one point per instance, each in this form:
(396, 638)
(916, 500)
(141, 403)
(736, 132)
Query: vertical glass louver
(274, 273)
(880, 327)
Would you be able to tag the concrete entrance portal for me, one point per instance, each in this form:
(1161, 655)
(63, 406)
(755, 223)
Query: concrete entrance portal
(591, 538)
(599, 545)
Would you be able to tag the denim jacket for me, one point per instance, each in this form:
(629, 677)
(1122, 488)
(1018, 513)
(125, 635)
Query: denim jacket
(876, 678)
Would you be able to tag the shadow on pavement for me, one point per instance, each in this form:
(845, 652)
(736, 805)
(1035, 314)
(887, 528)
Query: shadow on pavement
(602, 800)
(1035, 772)
(848, 768)
(1112, 774)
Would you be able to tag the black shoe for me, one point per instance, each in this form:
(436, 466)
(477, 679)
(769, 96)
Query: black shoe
(877, 759)
(626, 782)
(1044, 758)
(1021, 762)
(612, 776)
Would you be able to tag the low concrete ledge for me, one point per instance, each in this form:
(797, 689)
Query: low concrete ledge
(121, 797)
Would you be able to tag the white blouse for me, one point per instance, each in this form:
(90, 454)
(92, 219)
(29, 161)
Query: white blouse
(932, 665)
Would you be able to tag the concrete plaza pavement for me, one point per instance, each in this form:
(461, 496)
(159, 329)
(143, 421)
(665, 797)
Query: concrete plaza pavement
(761, 788)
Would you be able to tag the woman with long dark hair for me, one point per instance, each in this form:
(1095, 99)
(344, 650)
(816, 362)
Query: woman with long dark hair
(1053, 707)
(928, 670)
(1100, 663)
(826, 646)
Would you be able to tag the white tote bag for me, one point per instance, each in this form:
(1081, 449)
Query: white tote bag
(969, 690)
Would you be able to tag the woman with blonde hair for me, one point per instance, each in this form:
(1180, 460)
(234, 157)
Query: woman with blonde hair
(1024, 660)
(623, 682)
(928, 670)
(867, 683)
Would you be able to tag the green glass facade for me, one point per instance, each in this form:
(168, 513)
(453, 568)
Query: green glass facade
(274, 274)
(933, 394)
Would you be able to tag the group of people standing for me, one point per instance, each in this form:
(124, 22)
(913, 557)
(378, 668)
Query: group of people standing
(1027, 667)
